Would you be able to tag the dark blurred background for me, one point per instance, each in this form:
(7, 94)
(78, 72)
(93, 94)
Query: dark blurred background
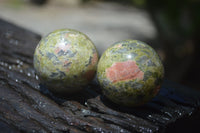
(170, 26)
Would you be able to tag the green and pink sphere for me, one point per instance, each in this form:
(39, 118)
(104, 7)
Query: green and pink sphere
(130, 73)
(65, 61)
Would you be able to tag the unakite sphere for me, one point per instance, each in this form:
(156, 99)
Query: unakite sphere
(65, 60)
(130, 73)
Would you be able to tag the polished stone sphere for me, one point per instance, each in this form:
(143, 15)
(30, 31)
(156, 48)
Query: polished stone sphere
(65, 61)
(130, 73)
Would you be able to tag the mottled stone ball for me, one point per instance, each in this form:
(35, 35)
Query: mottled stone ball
(65, 61)
(130, 73)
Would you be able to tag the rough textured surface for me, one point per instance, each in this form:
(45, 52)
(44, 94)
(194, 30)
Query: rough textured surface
(65, 60)
(130, 73)
(26, 106)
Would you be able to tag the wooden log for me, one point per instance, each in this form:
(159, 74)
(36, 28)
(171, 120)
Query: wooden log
(27, 106)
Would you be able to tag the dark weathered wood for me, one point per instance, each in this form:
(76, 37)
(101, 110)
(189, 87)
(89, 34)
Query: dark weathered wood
(27, 106)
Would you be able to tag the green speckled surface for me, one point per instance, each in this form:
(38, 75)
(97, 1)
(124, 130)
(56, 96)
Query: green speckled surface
(130, 73)
(65, 60)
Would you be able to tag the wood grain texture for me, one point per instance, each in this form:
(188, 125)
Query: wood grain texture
(27, 106)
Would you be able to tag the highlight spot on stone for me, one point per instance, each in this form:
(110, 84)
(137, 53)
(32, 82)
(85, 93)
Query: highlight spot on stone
(122, 71)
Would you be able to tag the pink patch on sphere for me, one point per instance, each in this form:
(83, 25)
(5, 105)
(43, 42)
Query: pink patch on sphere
(94, 59)
(122, 71)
